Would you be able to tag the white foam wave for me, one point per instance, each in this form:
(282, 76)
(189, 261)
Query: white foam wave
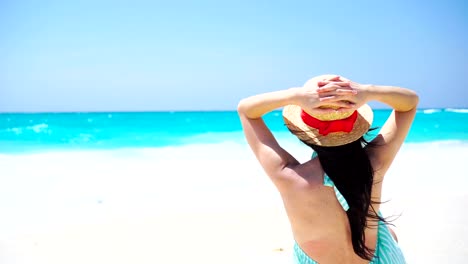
(38, 128)
(214, 137)
(16, 130)
(431, 111)
(457, 110)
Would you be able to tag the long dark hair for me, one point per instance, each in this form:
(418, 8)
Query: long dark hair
(350, 169)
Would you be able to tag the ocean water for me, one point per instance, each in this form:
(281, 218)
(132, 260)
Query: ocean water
(21, 133)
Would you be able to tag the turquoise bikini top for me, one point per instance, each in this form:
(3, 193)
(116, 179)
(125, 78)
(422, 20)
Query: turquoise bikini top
(328, 182)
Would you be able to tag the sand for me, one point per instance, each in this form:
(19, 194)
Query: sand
(260, 236)
(144, 207)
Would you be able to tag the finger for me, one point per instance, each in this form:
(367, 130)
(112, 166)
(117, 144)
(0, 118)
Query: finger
(337, 92)
(335, 97)
(328, 98)
(328, 88)
(346, 91)
(326, 94)
(335, 79)
(342, 84)
(322, 83)
(331, 86)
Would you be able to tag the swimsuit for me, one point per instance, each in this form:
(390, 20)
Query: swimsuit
(386, 251)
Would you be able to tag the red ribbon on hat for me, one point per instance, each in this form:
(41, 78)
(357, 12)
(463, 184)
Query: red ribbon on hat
(326, 127)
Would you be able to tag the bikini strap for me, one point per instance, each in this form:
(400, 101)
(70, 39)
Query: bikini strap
(328, 182)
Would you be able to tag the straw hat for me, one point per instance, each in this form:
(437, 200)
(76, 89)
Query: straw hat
(331, 129)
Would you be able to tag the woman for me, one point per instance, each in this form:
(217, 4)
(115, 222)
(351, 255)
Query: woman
(333, 200)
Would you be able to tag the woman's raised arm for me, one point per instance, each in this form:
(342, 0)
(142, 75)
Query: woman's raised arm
(269, 153)
(398, 124)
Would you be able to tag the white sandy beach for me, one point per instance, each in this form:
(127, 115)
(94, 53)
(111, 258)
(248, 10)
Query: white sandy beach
(183, 205)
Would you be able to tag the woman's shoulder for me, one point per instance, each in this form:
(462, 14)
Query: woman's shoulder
(301, 175)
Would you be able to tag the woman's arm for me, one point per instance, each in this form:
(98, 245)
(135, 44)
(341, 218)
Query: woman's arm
(269, 153)
(256, 106)
(400, 99)
(395, 129)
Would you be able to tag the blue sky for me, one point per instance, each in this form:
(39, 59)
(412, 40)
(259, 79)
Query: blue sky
(206, 55)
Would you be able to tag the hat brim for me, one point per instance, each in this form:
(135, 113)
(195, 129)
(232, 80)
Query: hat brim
(293, 120)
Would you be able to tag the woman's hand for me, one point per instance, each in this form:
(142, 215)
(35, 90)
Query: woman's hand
(332, 95)
(347, 92)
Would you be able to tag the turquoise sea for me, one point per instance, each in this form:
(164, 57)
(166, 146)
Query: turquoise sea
(87, 131)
